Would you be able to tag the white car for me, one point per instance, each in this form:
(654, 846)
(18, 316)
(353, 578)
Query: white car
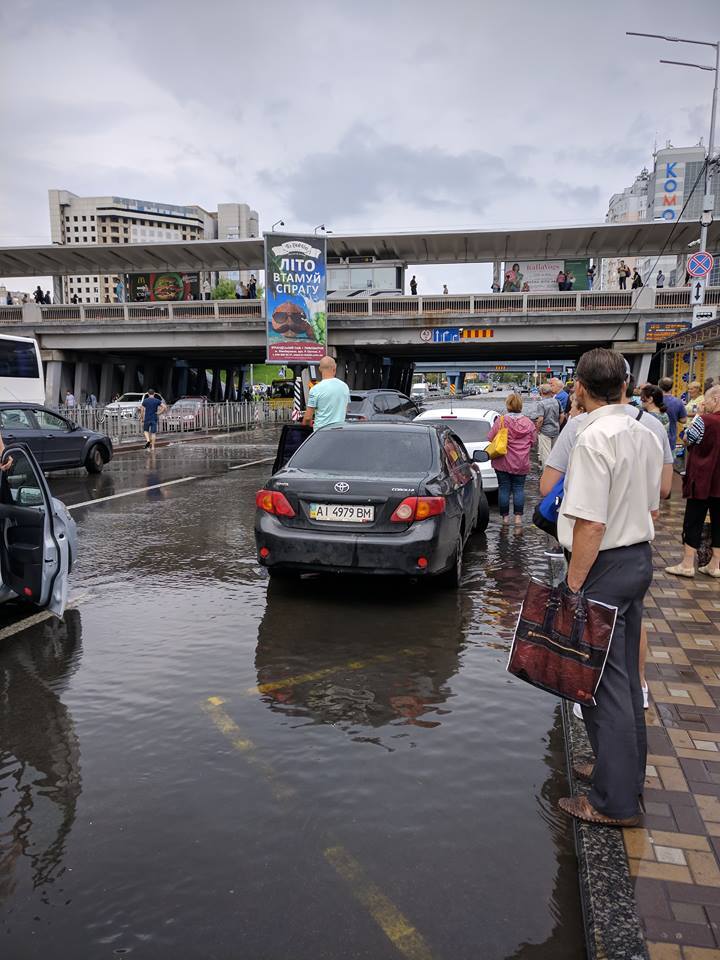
(472, 425)
(127, 405)
(39, 537)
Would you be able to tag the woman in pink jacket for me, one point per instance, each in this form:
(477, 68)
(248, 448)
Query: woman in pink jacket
(513, 468)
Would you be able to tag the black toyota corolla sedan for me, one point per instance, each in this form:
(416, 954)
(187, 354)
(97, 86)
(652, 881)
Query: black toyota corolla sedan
(386, 498)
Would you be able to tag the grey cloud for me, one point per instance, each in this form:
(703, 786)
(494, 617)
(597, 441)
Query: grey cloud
(365, 170)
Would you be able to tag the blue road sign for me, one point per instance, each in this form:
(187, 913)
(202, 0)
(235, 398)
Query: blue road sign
(700, 264)
(446, 335)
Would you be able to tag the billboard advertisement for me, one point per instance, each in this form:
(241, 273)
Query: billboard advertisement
(541, 275)
(144, 287)
(295, 292)
(669, 189)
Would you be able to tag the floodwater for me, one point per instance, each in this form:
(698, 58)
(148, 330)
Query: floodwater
(198, 763)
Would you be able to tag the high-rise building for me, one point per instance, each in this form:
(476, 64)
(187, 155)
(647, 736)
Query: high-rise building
(630, 206)
(236, 221)
(100, 220)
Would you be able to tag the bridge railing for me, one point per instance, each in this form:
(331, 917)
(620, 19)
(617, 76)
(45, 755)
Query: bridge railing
(126, 427)
(486, 304)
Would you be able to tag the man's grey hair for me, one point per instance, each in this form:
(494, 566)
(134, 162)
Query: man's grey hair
(546, 389)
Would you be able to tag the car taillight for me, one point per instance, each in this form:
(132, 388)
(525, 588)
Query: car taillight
(272, 501)
(418, 508)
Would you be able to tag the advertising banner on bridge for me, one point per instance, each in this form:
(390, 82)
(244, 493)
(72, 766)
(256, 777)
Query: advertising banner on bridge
(142, 287)
(295, 298)
(539, 274)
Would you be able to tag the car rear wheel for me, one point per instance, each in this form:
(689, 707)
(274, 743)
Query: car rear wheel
(483, 514)
(95, 460)
(451, 578)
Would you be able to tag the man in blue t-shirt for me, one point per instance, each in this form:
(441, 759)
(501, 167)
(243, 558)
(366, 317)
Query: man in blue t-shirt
(151, 408)
(562, 397)
(677, 414)
(328, 400)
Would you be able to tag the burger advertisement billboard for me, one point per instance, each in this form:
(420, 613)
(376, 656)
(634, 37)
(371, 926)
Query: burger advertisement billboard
(295, 292)
(142, 287)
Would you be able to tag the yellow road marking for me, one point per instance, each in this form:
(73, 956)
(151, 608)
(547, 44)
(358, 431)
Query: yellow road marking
(396, 927)
(213, 707)
(327, 671)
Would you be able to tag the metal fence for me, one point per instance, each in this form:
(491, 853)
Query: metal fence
(126, 426)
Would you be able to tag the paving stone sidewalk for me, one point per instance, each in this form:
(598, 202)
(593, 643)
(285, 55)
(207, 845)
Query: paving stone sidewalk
(675, 858)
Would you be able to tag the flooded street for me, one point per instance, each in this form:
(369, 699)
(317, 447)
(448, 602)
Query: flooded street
(199, 763)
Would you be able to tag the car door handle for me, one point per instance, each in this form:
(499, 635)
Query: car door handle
(9, 436)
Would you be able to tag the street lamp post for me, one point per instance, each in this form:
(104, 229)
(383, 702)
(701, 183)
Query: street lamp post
(708, 202)
(278, 223)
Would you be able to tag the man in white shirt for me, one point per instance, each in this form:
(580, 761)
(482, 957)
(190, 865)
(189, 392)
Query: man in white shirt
(612, 488)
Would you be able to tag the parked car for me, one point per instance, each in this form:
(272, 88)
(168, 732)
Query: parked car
(56, 442)
(185, 414)
(472, 425)
(387, 404)
(39, 538)
(385, 498)
(127, 405)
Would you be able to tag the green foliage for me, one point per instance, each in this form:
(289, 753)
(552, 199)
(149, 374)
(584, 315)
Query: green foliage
(225, 290)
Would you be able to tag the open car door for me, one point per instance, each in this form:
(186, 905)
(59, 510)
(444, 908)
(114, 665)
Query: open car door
(34, 549)
(292, 436)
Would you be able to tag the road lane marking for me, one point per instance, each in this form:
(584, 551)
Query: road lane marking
(213, 707)
(406, 939)
(251, 463)
(40, 617)
(129, 493)
(327, 671)
(401, 933)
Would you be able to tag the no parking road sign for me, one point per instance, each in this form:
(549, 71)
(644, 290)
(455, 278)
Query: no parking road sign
(700, 264)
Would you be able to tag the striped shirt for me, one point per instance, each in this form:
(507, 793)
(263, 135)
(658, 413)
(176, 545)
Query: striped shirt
(695, 432)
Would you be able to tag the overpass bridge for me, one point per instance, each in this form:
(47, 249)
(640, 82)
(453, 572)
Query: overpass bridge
(104, 348)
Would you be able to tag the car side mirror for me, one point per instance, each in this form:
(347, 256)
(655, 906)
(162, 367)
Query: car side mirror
(30, 497)
(481, 456)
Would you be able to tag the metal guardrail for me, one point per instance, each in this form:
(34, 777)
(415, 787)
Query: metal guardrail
(126, 426)
(585, 301)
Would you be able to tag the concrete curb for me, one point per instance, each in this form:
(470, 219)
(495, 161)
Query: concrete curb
(612, 925)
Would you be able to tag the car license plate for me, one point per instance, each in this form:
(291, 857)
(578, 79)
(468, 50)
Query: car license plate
(342, 512)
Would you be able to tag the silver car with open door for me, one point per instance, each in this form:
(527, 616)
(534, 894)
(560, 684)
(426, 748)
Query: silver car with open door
(35, 535)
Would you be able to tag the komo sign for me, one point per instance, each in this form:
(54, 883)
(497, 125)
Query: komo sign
(700, 264)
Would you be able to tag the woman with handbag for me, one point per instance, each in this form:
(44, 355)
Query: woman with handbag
(511, 438)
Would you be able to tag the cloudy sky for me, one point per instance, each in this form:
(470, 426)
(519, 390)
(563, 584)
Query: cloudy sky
(365, 116)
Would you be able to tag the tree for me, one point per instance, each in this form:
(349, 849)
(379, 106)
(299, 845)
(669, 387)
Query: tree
(225, 290)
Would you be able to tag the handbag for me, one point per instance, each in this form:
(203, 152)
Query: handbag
(562, 641)
(498, 446)
(545, 515)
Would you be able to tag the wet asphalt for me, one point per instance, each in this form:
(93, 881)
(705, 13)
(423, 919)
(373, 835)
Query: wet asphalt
(198, 763)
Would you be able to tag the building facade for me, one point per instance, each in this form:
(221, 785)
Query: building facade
(630, 206)
(120, 220)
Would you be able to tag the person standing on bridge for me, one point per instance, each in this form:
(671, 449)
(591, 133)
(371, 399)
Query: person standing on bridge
(151, 408)
(561, 280)
(445, 290)
(636, 280)
(206, 289)
(590, 277)
(327, 400)
(660, 280)
(623, 272)
(39, 295)
(413, 286)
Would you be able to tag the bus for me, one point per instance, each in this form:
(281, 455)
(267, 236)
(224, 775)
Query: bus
(21, 371)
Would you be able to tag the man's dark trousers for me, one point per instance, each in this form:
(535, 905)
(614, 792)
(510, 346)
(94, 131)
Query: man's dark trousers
(616, 726)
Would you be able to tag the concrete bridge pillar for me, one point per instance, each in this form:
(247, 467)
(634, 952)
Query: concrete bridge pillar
(130, 377)
(81, 386)
(107, 384)
(53, 382)
(217, 388)
(166, 387)
(182, 381)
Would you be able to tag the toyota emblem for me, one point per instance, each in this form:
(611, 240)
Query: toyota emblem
(342, 487)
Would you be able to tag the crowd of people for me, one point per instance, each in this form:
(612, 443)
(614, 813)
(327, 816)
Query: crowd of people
(610, 447)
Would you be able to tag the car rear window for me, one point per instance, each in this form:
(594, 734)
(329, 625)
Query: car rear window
(366, 452)
(355, 403)
(469, 431)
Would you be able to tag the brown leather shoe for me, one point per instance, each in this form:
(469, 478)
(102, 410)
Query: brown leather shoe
(584, 771)
(581, 808)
